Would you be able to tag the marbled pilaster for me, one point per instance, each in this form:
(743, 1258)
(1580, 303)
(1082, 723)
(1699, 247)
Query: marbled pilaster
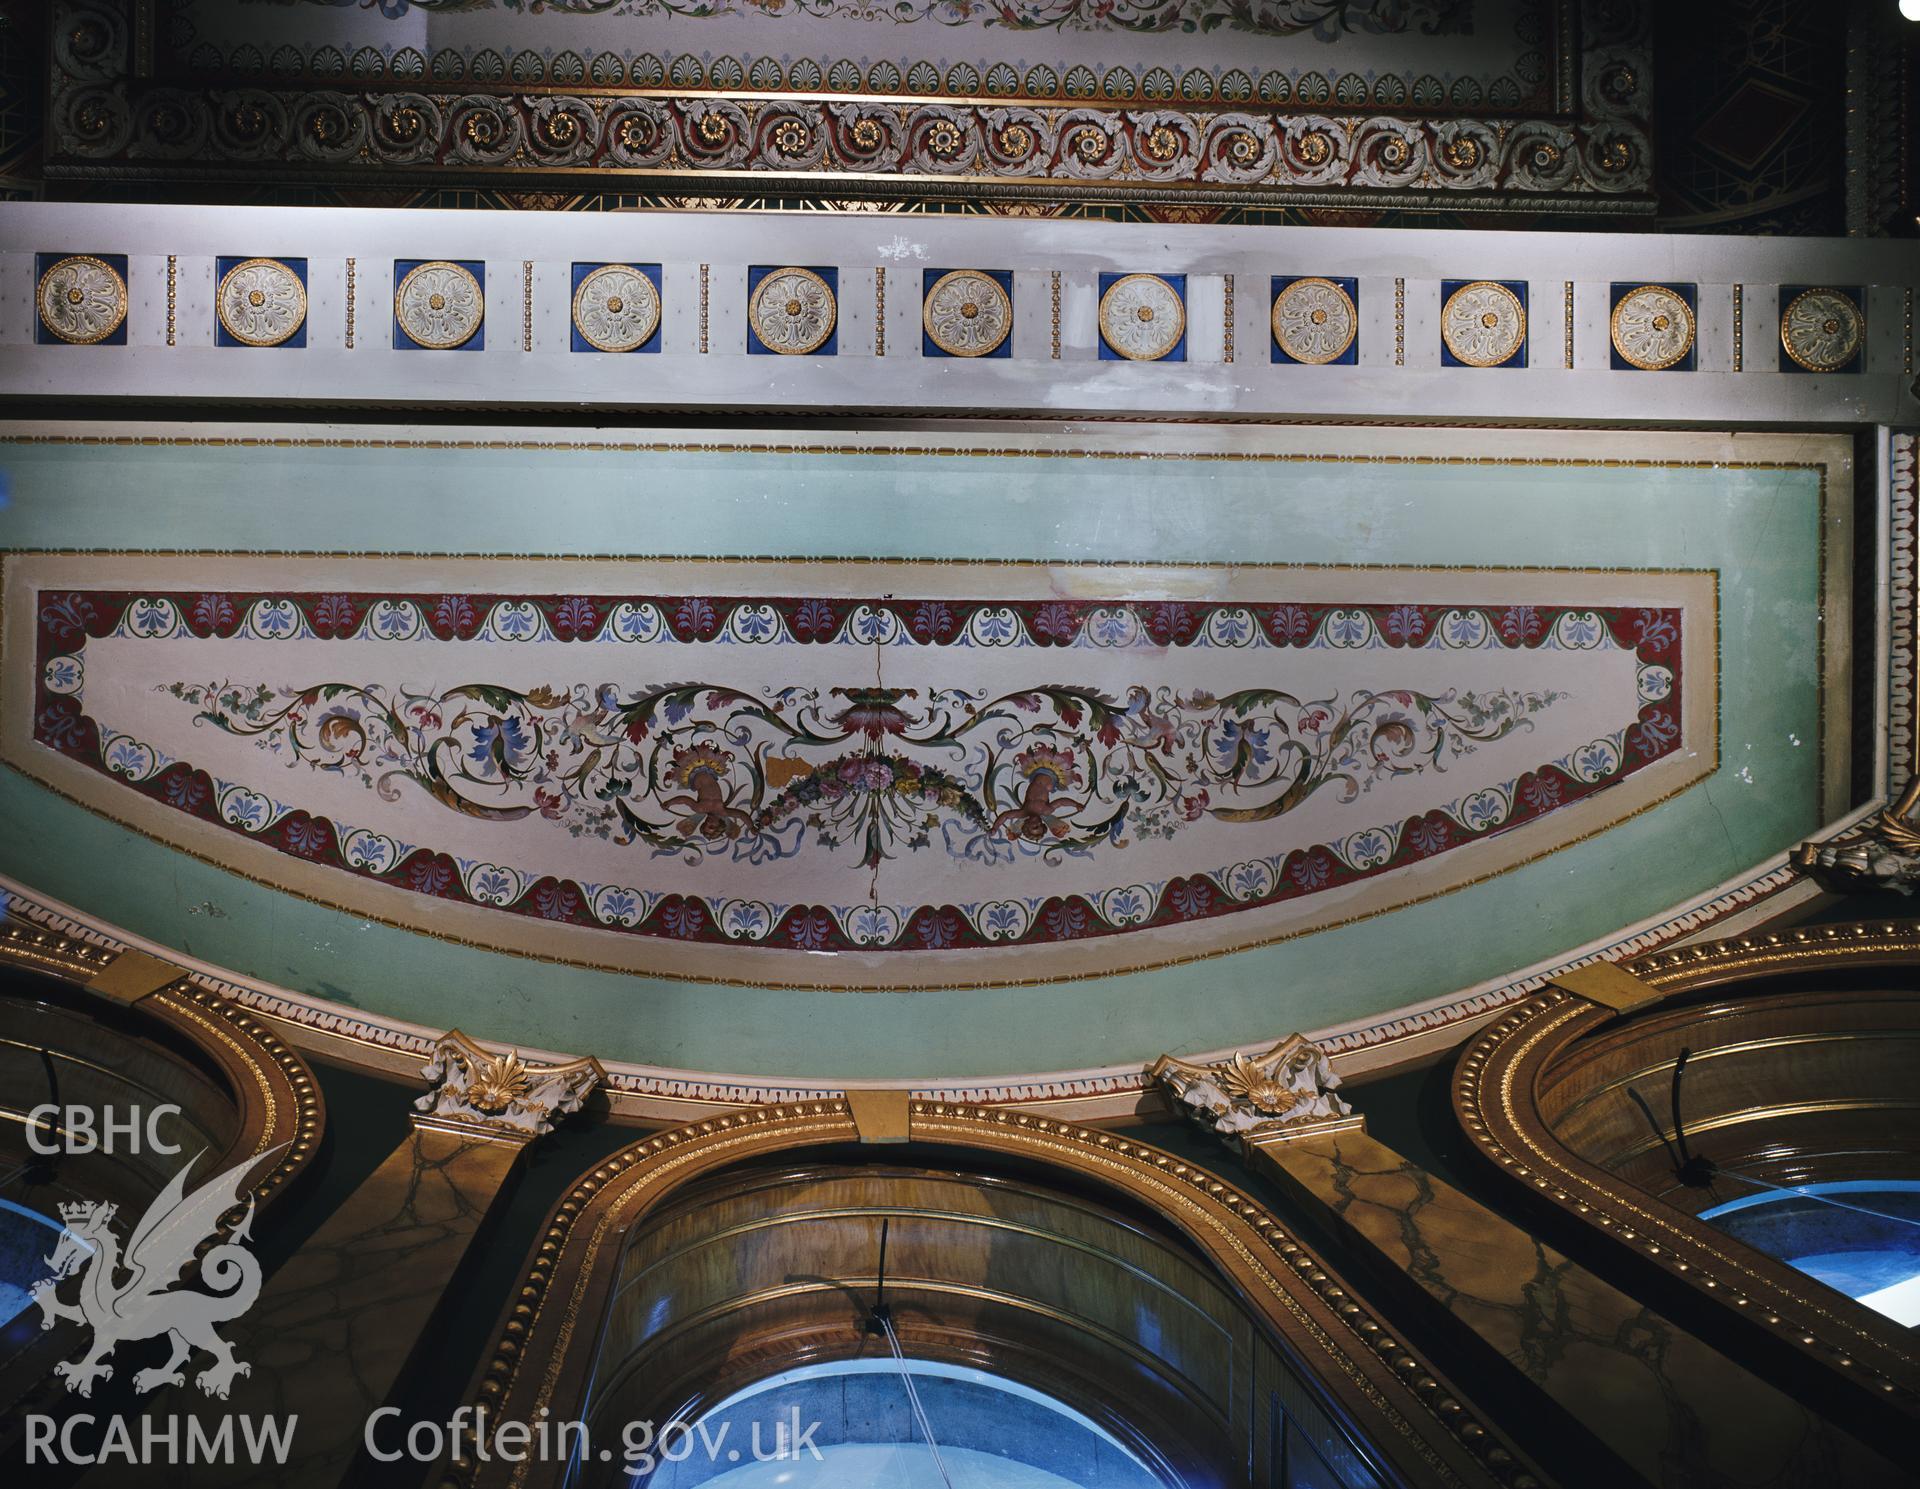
(1670, 1408)
(338, 1323)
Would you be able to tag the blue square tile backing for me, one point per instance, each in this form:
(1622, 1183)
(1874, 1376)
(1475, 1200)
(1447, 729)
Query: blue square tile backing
(45, 261)
(225, 265)
(1351, 356)
(929, 278)
(1519, 288)
(1178, 352)
(1619, 290)
(580, 343)
(474, 343)
(757, 272)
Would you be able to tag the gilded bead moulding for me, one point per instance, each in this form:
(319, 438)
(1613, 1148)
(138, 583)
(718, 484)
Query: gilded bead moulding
(616, 308)
(1518, 533)
(260, 302)
(1823, 328)
(81, 299)
(439, 305)
(1653, 327)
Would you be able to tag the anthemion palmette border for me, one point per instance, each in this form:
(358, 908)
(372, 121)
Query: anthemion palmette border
(108, 119)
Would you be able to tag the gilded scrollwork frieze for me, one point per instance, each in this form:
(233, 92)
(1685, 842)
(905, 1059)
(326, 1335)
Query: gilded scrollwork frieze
(1580, 139)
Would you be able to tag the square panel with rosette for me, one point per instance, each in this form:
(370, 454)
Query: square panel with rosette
(439, 305)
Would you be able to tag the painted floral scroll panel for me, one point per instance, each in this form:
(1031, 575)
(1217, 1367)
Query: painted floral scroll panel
(1070, 774)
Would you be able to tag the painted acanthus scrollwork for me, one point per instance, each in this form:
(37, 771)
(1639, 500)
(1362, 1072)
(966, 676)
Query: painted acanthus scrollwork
(616, 308)
(261, 302)
(1882, 853)
(1483, 324)
(1291, 1087)
(1652, 327)
(1822, 329)
(502, 1095)
(439, 305)
(967, 314)
(82, 300)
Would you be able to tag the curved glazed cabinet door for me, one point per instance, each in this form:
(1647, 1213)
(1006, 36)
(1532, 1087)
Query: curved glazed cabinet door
(1751, 1067)
(1142, 1292)
(240, 1092)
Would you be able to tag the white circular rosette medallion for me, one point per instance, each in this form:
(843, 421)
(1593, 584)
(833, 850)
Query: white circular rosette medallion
(1652, 328)
(1483, 324)
(1142, 317)
(616, 308)
(439, 305)
(82, 300)
(792, 312)
(261, 302)
(1822, 329)
(1314, 321)
(967, 313)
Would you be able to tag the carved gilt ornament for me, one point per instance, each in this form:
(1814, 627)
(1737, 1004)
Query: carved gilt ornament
(82, 300)
(1822, 329)
(793, 312)
(1881, 853)
(967, 313)
(1286, 1091)
(500, 1095)
(261, 302)
(1483, 324)
(439, 305)
(1314, 321)
(1142, 317)
(1652, 328)
(616, 308)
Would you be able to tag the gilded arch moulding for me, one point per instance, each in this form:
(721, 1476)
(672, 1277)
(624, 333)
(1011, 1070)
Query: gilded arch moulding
(541, 1358)
(276, 1097)
(1501, 1073)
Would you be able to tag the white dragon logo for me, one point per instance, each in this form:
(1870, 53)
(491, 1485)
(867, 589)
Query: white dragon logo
(147, 1303)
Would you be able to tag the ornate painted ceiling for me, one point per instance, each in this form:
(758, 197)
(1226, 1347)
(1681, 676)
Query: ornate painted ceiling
(1119, 747)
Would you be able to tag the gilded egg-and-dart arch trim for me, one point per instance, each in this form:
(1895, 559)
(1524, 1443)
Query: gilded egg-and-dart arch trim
(274, 1092)
(1494, 1100)
(540, 1360)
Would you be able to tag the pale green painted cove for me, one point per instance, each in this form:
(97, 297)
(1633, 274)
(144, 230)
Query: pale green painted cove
(1758, 528)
